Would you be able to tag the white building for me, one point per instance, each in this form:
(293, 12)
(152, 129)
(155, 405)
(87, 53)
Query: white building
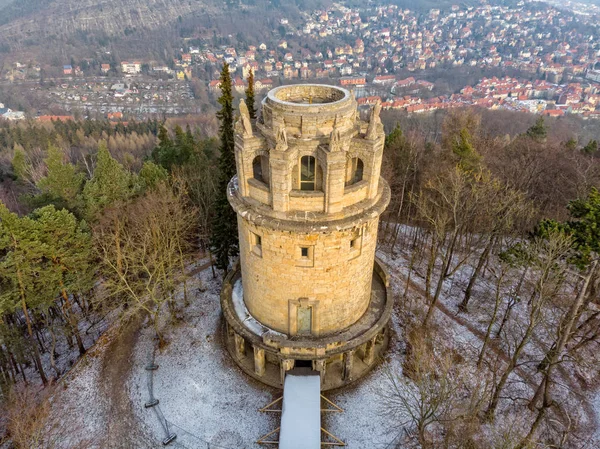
(131, 68)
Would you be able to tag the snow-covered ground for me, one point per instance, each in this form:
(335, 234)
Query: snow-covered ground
(206, 398)
(81, 410)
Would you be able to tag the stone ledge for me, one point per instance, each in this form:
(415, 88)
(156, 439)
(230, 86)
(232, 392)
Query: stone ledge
(308, 222)
(297, 193)
(259, 185)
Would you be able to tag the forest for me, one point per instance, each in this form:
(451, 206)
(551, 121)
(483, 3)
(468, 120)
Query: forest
(495, 227)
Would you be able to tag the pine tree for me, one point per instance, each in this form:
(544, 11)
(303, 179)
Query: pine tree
(250, 95)
(22, 271)
(63, 182)
(538, 131)
(68, 247)
(224, 240)
(591, 147)
(468, 158)
(111, 182)
(164, 153)
(151, 175)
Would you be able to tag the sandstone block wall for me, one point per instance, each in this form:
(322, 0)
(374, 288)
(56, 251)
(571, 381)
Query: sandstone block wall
(335, 278)
(330, 280)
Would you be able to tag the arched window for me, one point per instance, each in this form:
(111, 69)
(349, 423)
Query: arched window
(260, 169)
(354, 171)
(307, 173)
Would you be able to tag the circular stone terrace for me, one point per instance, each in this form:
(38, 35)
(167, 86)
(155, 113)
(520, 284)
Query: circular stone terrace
(341, 357)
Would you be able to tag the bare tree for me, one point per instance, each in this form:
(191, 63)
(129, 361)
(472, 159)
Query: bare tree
(547, 259)
(449, 207)
(30, 424)
(143, 248)
(431, 396)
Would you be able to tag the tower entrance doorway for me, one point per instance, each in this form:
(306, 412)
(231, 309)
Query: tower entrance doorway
(303, 364)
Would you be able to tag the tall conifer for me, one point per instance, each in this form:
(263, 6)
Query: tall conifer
(250, 95)
(224, 240)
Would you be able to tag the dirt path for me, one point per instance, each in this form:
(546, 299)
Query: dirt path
(123, 429)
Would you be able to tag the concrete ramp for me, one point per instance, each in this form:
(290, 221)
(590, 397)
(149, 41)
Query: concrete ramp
(301, 411)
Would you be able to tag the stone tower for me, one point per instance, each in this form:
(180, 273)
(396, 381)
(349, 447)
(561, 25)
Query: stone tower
(307, 290)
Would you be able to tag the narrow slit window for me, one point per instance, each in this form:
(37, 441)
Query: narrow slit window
(305, 256)
(355, 243)
(256, 244)
(307, 173)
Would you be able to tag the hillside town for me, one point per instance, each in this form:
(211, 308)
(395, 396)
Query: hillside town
(385, 52)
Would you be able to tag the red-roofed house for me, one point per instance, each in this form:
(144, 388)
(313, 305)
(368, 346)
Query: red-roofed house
(384, 80)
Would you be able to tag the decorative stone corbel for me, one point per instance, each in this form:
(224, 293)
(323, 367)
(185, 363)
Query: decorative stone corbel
(374, 122)
(245, 119)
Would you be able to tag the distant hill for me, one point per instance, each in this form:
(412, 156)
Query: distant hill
(57, 20)
(46, 18)
(53, 31)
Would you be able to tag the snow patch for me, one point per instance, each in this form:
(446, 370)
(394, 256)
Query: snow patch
(246, 318)
(301, 412)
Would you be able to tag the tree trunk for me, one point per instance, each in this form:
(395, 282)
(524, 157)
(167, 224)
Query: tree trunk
(52, 350)
(564, 335)
(491, 410)
(484, 255)
(36, 352)
(72, 321)
(430, 267)
(491, 323)
(212, 264)
(513, 300)
(438, 289)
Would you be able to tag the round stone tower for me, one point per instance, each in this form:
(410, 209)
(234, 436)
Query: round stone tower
(307, 290)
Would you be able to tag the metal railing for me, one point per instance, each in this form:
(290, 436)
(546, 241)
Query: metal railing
(171, 438)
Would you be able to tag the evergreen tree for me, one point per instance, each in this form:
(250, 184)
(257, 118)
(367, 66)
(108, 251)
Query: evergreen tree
(171, 152)
(164, 153)
(250, 95)
(22, 273)
(19, 162)
(583, 227)
(63, 182)
(571, 144)
(395, 137)
(591, 147)
(538, 131)
(111, 182)
(151, 175)
(468, 158)
(224, 239)
(68, 247)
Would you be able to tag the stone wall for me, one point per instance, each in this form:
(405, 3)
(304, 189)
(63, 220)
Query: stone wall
(334, 277)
